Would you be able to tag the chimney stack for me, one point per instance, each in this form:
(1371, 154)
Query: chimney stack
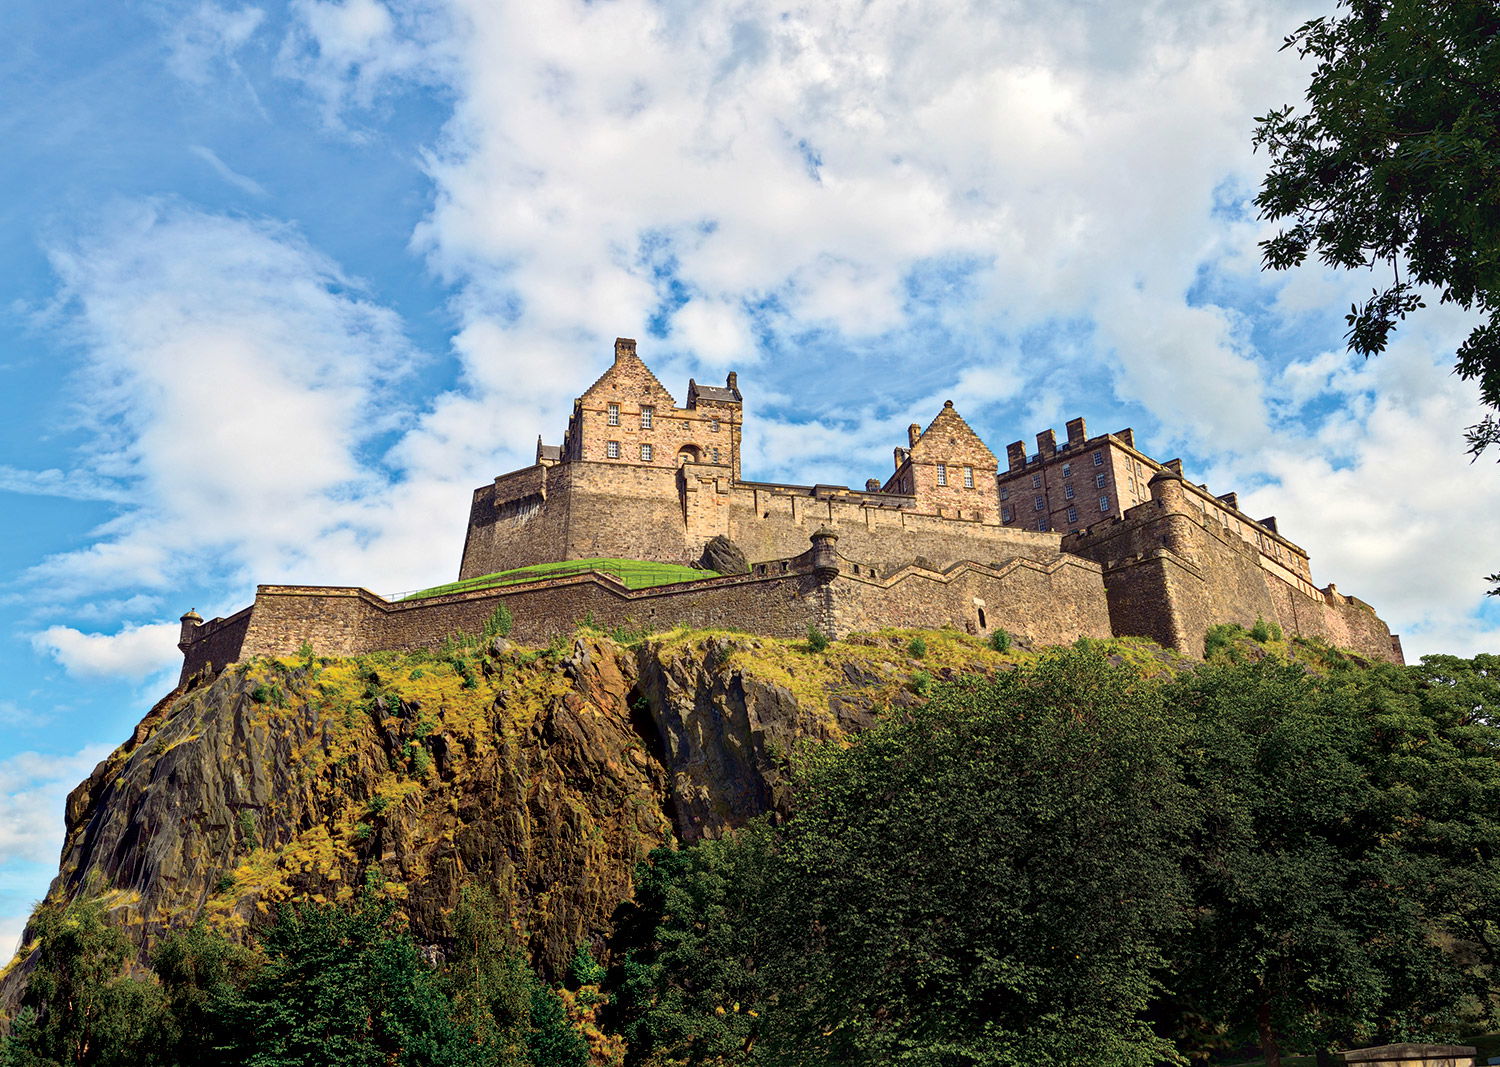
(1015, 455)
(1077, 432)
(1046, 443)
(624, 346)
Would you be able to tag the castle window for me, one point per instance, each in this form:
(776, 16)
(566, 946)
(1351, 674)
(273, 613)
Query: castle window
(1104, 503)
(648, 418)
(942, 474)
(1039, 504)
(1099, 458)
(1072, 514)
(1036, 481)
(646, 453)
(1100, 479)
(968, 477)
(1005, 514)
(612, 449)
(1005, 492)
(1041, 525)
(1067, 469)
(614, 414)
(716, 455)
(1067, 492)
(713, 425)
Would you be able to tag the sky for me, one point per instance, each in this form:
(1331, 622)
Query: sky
(286, 281)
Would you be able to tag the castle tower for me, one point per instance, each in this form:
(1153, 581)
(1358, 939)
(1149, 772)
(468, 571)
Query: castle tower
(948, 469)
(628, 417)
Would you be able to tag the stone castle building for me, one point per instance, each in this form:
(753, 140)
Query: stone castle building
(1090, 537)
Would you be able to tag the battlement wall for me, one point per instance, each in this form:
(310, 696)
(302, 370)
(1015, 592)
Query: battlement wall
(1054, 602)
(1171, 572)
(1045, 603)
(582, 509)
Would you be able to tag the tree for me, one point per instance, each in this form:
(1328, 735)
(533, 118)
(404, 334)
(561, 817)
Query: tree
(488, 981)
(698, 932)
(1343, 870)
(80, 1008)
(202, 974)
(345, 987)
(1395, 162)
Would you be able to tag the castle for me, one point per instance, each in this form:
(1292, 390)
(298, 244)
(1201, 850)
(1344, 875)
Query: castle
(1085, 538)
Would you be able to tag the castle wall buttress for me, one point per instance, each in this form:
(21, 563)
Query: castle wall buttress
(1171, 573)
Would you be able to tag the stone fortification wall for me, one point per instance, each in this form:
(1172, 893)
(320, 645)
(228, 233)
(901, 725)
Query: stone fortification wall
(581, 510)
(347, 621)
(1046, 603)
(215, 643)
(1171, 572)
(513, 518)
(768, 520)
(1053, 602)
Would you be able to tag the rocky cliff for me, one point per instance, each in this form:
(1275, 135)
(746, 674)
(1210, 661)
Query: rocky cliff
(549, 773)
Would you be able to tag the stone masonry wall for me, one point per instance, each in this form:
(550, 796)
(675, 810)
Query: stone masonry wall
(1171, 573)
(1045, 603)
(215, 644)
(516, 521)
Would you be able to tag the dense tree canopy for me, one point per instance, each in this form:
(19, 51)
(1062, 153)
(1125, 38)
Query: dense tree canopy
(1395, 162)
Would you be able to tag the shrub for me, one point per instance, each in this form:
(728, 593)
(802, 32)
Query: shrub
(499, 623)
(1223, 638)
(583, 969)
(918, 647)
(1000, 640)
(921, 683)
(246, 823)
(817, 640)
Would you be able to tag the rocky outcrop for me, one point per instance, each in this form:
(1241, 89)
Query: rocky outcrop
(548, 773)
(723, 555)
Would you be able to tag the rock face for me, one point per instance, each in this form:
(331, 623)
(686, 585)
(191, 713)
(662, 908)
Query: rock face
(547, 773)
(723, 555)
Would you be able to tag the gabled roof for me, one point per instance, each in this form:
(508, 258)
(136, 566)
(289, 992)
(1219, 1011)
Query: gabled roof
(626, 359)
(950, 422)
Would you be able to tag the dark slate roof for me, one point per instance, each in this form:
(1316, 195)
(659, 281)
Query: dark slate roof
(553, 452)
(716, 392)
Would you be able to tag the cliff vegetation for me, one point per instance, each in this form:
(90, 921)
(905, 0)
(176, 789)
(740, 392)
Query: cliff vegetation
(714, 848)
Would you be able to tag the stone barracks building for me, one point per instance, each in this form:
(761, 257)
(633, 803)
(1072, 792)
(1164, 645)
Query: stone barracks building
(1088, 537)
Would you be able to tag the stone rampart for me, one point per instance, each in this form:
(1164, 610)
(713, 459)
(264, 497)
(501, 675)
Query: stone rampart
(1045, 603)
(1052, 602)
(1171, 572)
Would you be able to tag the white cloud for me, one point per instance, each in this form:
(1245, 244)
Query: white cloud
(133, 653)
(228, 173)
(70, 485)
(11, 929)
(236, 381)
(33, 787)
(209, 35)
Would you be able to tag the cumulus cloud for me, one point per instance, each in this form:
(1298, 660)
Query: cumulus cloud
(132, 653)
(239, 385)
(33, 787)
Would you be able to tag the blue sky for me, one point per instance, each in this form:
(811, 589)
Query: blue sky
(287, 280)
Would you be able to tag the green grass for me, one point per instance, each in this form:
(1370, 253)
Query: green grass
(634, 574)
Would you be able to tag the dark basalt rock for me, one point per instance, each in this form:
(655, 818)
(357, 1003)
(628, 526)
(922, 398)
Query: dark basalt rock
(723, 555)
